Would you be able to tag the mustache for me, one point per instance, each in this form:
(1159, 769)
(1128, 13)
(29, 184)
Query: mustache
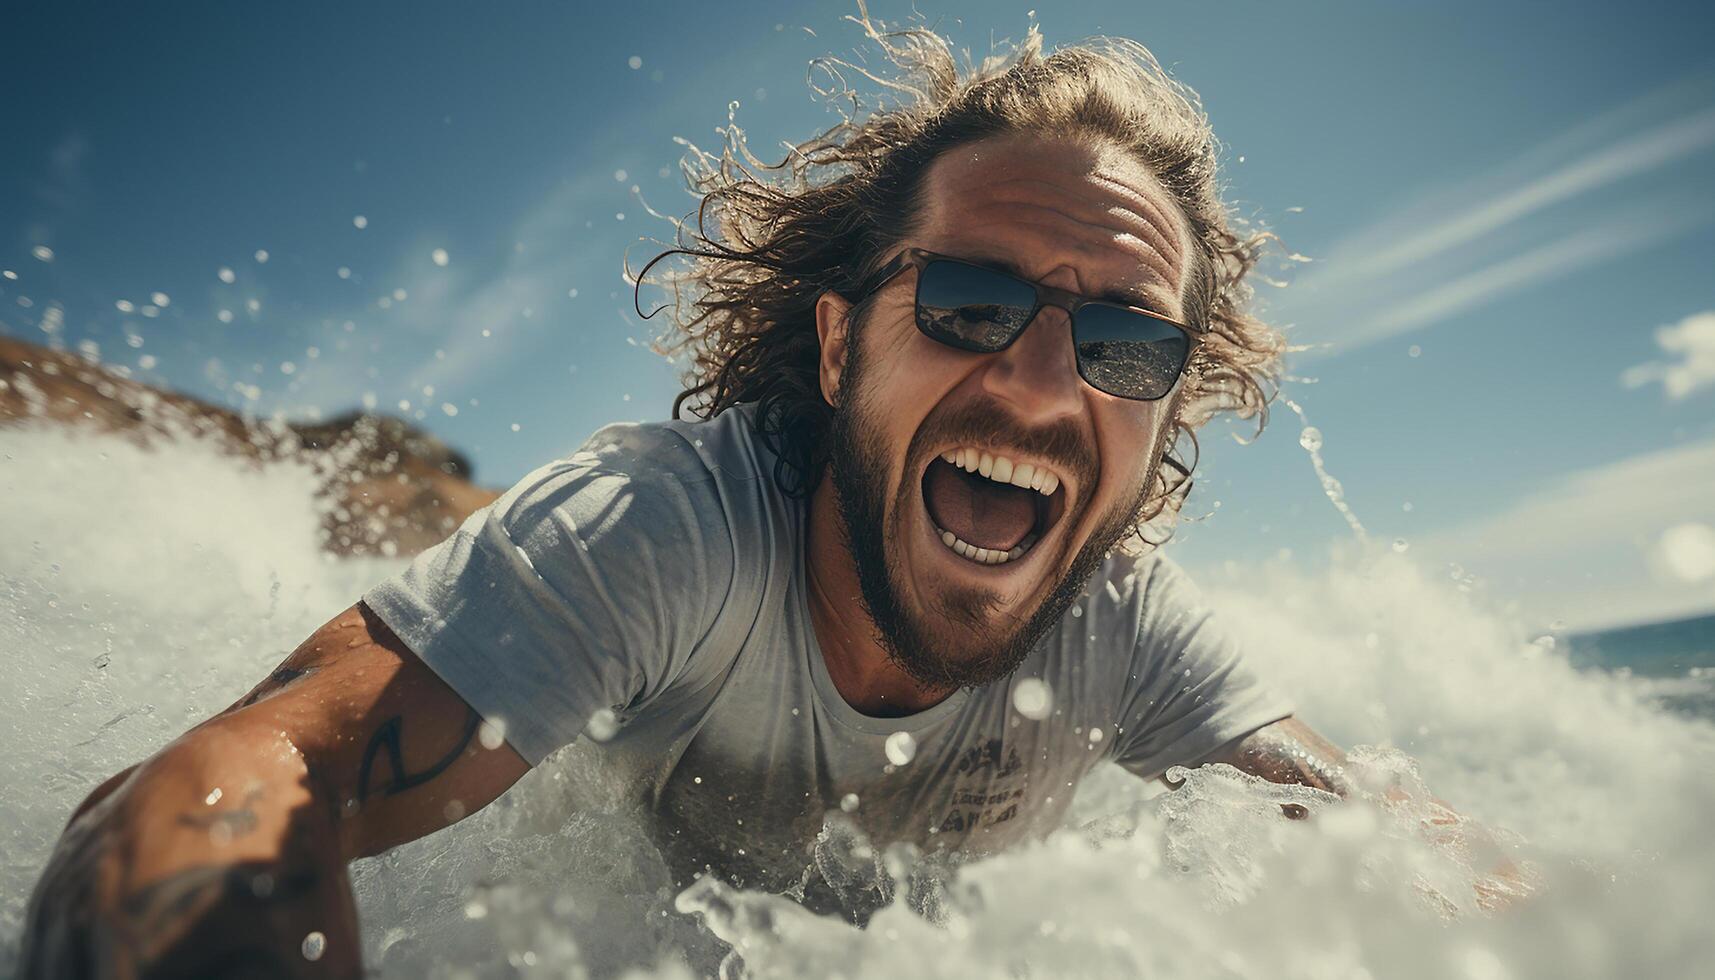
(1061, 443)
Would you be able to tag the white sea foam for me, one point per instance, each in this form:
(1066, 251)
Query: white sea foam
(141, 591)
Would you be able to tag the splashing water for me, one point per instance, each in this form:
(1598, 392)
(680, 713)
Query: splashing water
(1310, 438)
(140, 592)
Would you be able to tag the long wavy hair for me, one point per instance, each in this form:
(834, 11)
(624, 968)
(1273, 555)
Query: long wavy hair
(769, 238)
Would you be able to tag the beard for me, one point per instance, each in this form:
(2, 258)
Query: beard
(955, 645)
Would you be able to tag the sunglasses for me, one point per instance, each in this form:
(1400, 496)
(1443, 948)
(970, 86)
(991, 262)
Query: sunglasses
(1122, 350)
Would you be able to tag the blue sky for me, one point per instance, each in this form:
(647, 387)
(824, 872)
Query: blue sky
(1504, 206)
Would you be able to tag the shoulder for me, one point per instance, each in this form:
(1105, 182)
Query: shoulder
(648, 466)
(728, 446)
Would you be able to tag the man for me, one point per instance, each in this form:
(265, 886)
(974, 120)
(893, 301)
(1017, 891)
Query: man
(942, 366)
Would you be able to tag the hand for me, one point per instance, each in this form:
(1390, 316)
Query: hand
(233, 891)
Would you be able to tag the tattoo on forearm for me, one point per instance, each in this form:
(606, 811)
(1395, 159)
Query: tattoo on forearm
(278, 679)
(167, 923)
(232, 823)
(386, 739)
(151, 906)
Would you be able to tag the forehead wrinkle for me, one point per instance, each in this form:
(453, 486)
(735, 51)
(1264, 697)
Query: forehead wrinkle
(1090, 243)
(1111, 217)
(1165, 262)
(1157, 217)
(1146, 211)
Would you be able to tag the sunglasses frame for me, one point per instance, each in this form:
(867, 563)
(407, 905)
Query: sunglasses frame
(921, 258)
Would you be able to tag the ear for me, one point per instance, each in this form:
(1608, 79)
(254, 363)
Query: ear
(833, 323)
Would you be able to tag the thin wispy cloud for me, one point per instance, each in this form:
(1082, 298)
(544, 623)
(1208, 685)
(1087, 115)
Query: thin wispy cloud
(1577, 199)
(449, 329)
(1639, 153)
(1557, 258)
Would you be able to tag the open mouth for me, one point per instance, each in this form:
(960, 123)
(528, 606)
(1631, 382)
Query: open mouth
(989, 508)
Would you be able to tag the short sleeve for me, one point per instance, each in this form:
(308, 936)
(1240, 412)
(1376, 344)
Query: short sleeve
(588, 585)
(1189, 691)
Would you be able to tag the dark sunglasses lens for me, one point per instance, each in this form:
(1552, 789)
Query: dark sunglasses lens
(970, 307)
(1126, 353)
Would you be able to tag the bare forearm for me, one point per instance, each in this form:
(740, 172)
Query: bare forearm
(236, 836)
(210, 855)
(1290, 751)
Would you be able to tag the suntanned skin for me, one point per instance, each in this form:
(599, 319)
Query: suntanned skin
(1079, 215)
(353, 746)
(350, 747)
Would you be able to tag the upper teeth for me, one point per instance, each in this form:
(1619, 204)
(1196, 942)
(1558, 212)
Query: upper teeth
(1003, 470)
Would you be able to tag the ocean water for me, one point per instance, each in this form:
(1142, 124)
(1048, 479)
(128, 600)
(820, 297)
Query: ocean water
(1674, 661)
(140, 592)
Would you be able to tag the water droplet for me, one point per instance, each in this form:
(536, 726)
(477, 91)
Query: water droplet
(315, 944)
(604, 725)
(43, 253)
(226, 275)
(1400, 544)
(439, 256)
(213, 797)
(261, 255)
(125, 306)
(160, 299)
(1311, 438)
(849, 802)
(1033, 698)
(1414, 351)
(900, 748)
(492, 734)
(634, 62)
(359, 222)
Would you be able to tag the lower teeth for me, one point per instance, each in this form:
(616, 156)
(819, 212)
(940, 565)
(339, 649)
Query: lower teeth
(985, 556)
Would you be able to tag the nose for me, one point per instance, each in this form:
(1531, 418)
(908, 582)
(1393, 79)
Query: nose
(1038, 374)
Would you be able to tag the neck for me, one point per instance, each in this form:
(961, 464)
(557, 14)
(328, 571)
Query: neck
(858, 664)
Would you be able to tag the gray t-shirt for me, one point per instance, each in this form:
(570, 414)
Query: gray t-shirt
(659, 573)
